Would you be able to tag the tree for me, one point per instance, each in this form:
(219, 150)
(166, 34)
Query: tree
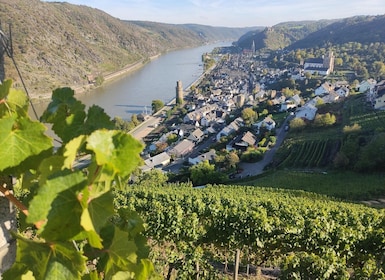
(134, 119)
(231, 160)
(204, 173)
(171, 138)
(372, 157)
(297, 124)
(156, 105)
(153, 177)
(248, 115)
(122, 124)
(70, 204)
(324, 119)
(338, 61)
(379, 69)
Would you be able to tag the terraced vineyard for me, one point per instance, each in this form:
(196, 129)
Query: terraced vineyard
(311, 154)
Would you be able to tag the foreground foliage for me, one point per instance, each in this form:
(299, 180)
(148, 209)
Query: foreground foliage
(309, 236)
(70, 205)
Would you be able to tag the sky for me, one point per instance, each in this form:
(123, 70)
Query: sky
(233, 13)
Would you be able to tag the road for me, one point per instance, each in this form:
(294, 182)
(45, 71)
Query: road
(257, 168)
(145, 128)
(248, 169)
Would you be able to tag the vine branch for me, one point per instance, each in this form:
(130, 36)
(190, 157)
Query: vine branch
(8, 194)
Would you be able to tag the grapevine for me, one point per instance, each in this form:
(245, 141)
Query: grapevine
(70, 207)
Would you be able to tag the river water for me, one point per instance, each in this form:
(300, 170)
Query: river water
(134, 92)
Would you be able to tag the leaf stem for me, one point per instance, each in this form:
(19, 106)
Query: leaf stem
(8, 194)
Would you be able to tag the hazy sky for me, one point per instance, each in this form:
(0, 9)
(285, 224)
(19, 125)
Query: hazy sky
(234, 13)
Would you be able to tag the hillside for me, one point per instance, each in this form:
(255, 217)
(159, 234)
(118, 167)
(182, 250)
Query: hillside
(281, 35)
(361, 29)
(309, 34)
(59, 44)
(179, 33)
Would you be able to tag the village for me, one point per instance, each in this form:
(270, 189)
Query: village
(212, 115)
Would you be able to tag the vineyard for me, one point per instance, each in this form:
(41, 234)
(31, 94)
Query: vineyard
(303, 235)
(357, 111)
(311, 154)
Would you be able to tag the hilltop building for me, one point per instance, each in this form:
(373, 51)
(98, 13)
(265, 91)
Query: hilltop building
(323, 66)
(179, 92)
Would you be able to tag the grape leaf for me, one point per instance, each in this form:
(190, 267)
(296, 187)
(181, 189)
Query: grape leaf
(101, 209)
(16, 101)
(65, 113)
(89, 232)
(46, 261)
(97, 119)
(71, 151)
(115, 150)
(57, 206)
(64, 217)
(49, 166)
(21, 139)
(4, 88)
(120, 252)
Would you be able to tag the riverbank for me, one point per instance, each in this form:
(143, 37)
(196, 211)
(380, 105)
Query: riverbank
(111, 77)
(145, 128)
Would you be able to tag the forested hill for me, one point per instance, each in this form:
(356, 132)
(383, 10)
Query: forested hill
(180, 32)
(361, 29)
(60, 44)
(309, 34)
(281, 35)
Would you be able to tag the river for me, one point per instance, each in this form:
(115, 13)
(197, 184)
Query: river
(134, 92)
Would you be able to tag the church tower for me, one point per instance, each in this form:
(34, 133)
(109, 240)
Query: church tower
(329, 61)
(253, 47)
(179, 93)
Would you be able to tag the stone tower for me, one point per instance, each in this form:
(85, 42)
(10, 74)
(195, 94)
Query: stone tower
(329, 61)
(179, 92)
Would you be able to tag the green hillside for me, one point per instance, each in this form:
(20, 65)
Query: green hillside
(361, 29)
(310, 34)
(281, 35)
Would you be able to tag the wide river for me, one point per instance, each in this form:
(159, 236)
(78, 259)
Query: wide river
(134, 92)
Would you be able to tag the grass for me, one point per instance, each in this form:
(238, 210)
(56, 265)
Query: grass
(343, 185)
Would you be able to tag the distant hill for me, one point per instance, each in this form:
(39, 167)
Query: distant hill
(281, 35)
(181, 32)
(60, 44)
(361, 29)
(309, 34)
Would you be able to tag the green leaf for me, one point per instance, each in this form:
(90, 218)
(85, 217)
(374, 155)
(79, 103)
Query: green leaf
(90, 233)
(46, 261)
(144, 270)
(131, 221)
(57, 206)
(21, 139)
(50, 166)
(66, 114)
(101, 209)
(64, 218)
(97, 119)
(120, 252)
(92, 275)
(4, 88)
(71, 151)
(118, 151)
(101, 142)
(15, 101)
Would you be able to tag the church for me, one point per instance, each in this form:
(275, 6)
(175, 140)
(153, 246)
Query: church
(322, 66)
